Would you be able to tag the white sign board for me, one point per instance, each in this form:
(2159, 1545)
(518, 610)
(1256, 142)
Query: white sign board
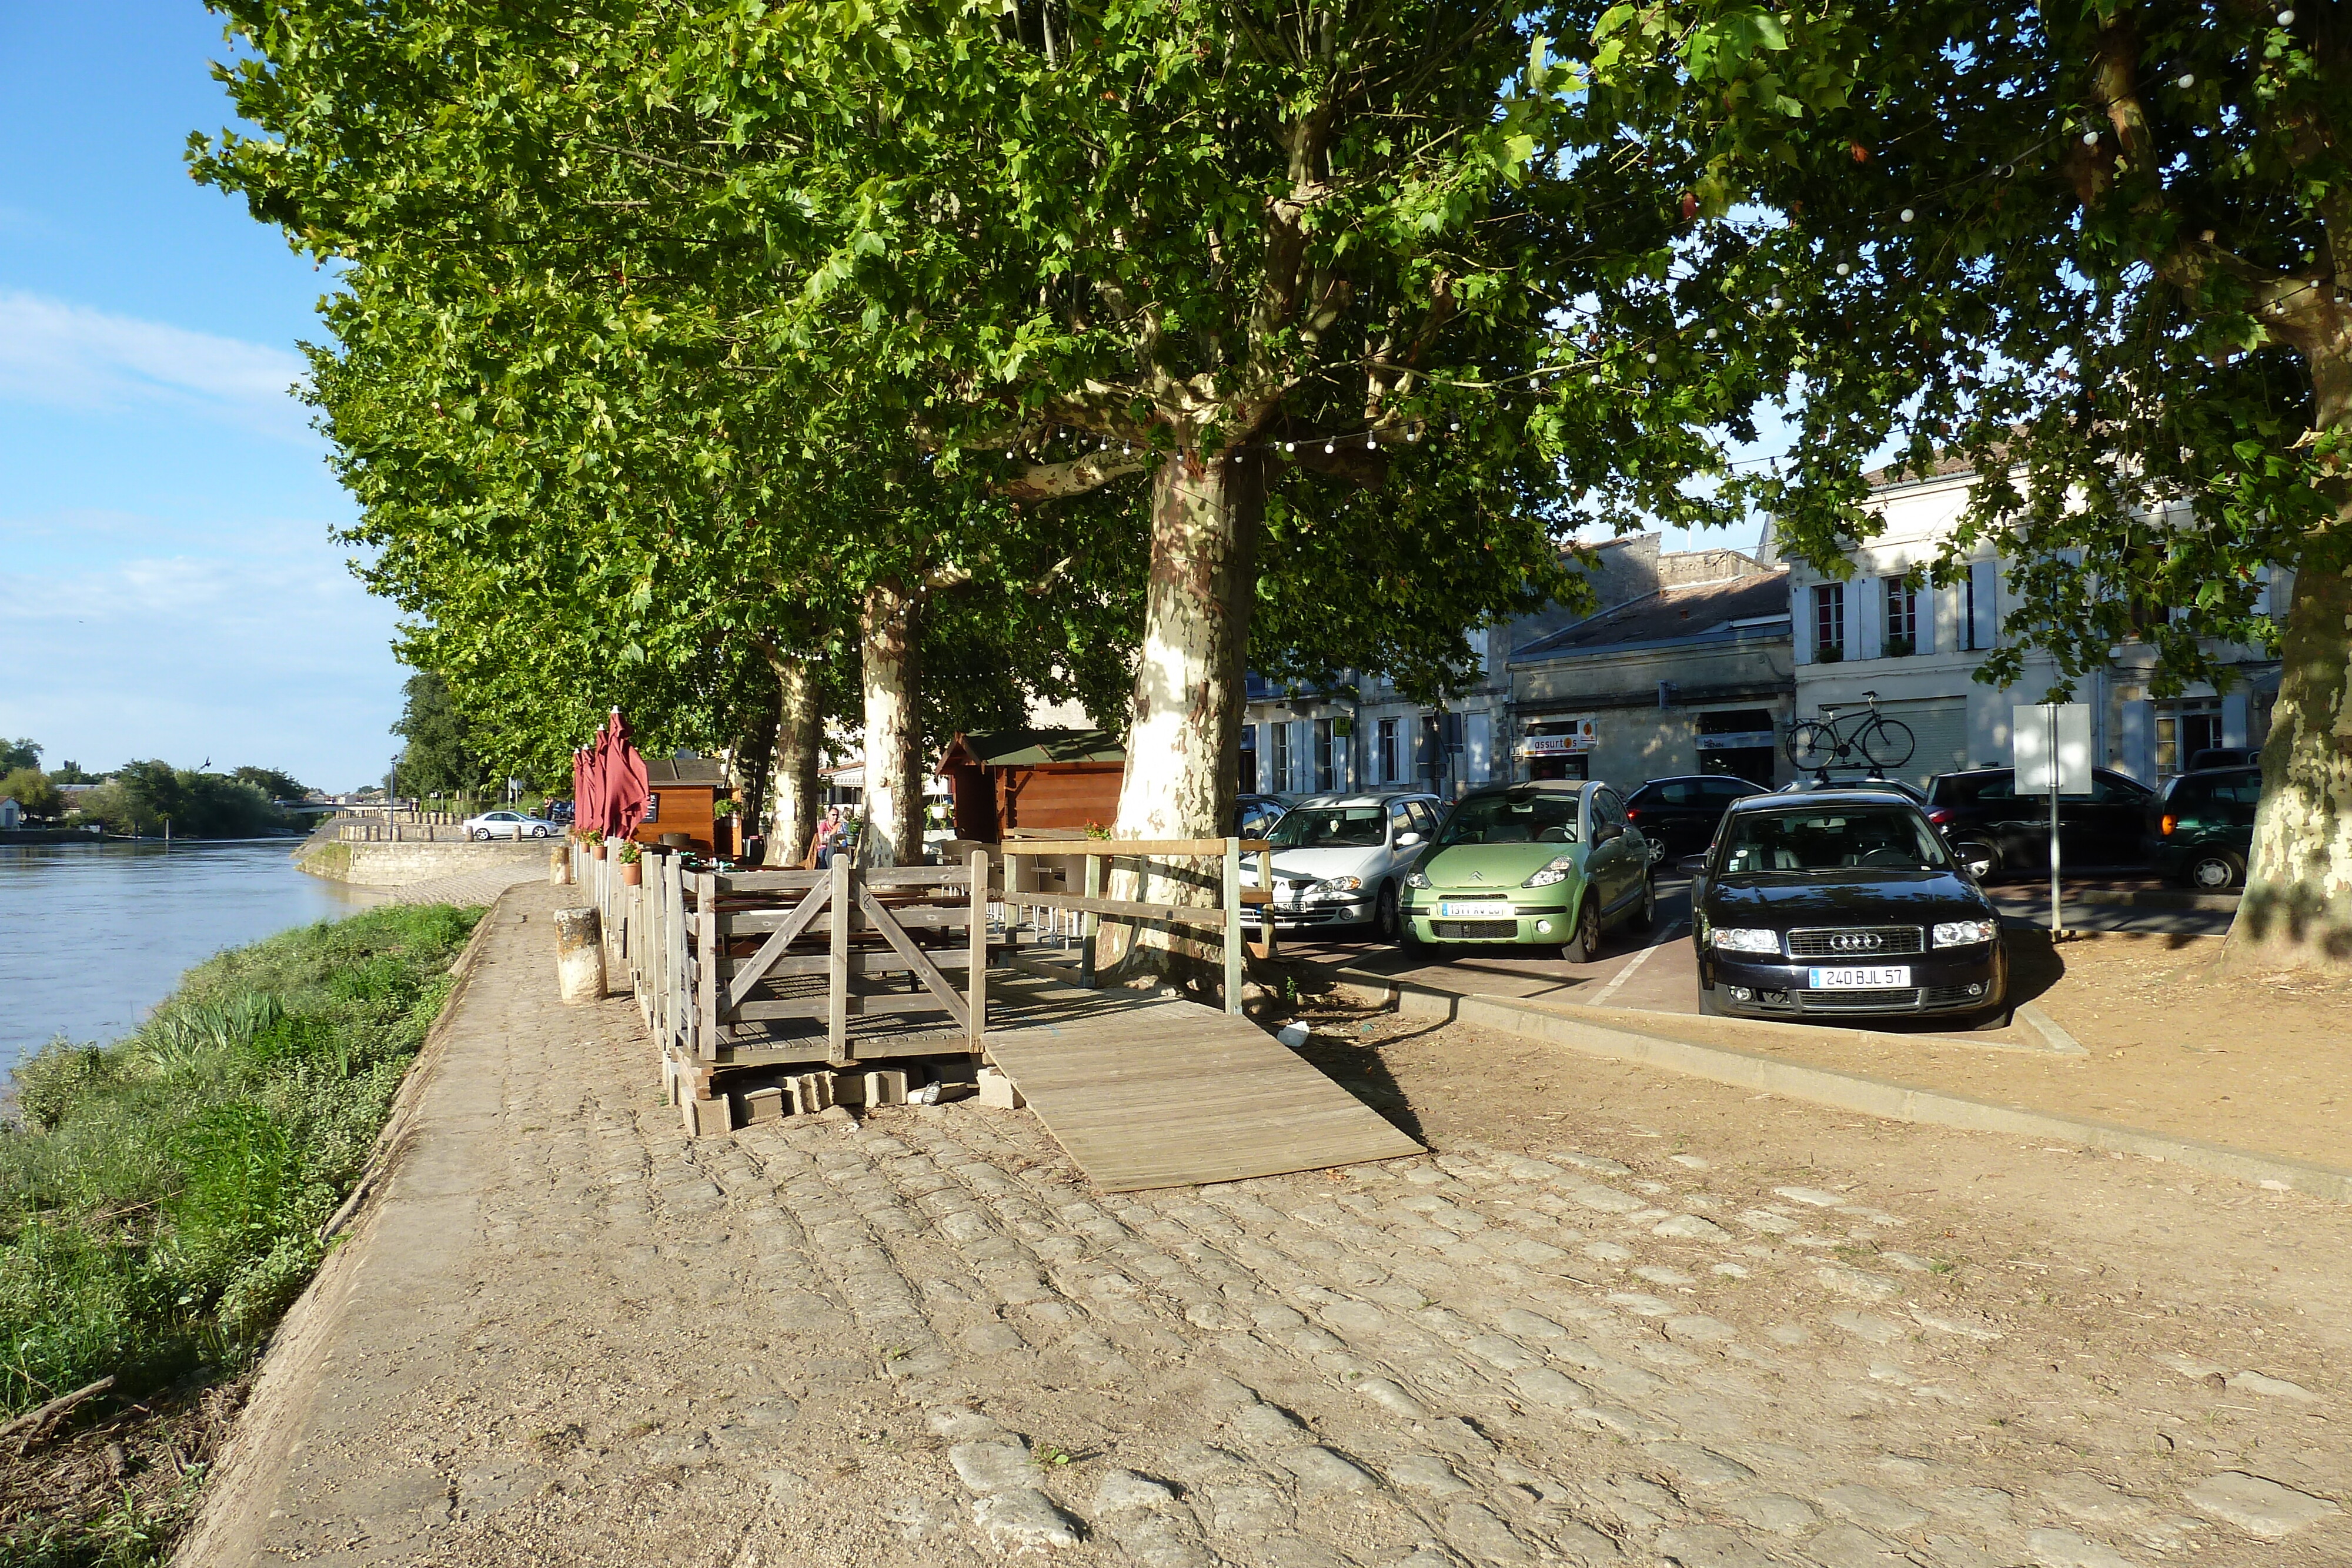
(1580, 736)
(2035, 741)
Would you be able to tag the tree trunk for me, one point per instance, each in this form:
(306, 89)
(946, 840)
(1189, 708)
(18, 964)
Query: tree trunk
(1183, 738)
(2297, 910)
(792, 794)
(892, 826)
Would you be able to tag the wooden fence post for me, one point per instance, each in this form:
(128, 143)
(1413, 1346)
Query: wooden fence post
(1233, 893)
(706, 912)
(1090, 923)
(837, 1005)
(1266, 910)
(1012, 869)
(976, 977)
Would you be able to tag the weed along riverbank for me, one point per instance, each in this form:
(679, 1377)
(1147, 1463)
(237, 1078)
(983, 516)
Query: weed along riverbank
(163, 1199)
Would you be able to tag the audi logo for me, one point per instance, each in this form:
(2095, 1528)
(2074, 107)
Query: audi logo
(1857, 941)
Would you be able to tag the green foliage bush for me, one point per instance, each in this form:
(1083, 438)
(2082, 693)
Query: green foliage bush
(161, 1197)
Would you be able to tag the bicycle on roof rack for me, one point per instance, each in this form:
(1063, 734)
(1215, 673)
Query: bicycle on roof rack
(1830, 741)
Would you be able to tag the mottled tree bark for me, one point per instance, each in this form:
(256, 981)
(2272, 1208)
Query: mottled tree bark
(1184, 720)
(891, 631)
(2297, 909)
(793, 789)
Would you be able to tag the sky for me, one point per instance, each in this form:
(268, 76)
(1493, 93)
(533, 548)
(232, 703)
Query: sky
(168, 585)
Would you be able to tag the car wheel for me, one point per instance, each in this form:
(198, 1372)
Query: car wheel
(1385, 921)
(541, 832)
(481, 835)
(1645, 914)
(1980, 859)
(1585, 946)
(2215, 871)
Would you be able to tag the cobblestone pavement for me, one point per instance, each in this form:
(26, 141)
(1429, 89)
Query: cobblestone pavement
(466, 887)
(923, 1340)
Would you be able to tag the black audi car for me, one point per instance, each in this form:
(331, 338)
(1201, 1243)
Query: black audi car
(1841, 903)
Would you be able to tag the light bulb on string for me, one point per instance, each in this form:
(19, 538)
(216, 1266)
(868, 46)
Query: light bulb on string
(1371, 443)
(1711, 334)
(1454, 425)
(1413, 435)
(2188, 80)
(2090, 139)
(1288, 447)
(1904, 214)
(2286, 18)
(1842, 270)
(1650, 359)
(1329, 447)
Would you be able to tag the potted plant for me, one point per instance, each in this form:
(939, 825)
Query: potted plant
(632, 856)
(1899, 647)
(595, 842)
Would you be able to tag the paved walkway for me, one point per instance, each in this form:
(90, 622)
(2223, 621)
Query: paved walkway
(481, 886)
(565, 1334)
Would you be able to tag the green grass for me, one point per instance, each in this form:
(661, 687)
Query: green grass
(161, 1197)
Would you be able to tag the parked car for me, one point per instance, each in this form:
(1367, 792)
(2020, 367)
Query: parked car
(1841, 903)
(1256, 815)
(1340, 860)
(508, 825)
(1996, 832)
(559, 812)
(2225, 756)
(1678, 816)
(1553, 863)
(2201, 829)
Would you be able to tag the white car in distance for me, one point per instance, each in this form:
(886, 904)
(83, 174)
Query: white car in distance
(508, 825)
(1340, 860)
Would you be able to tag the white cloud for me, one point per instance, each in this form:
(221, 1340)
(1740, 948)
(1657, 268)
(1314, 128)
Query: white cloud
(55, 354)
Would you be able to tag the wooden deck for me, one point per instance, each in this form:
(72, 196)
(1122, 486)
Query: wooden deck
(1147, 1092)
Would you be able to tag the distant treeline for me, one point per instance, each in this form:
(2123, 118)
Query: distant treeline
(140, 797)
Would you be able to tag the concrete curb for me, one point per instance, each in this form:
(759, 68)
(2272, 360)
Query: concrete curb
(2161, 898)
(2051, 1030)
(1884, 1097)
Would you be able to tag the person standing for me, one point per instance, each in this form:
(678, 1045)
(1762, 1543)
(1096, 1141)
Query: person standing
(828, 829)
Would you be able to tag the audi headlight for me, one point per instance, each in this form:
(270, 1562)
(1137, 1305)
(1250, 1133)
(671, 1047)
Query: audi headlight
(1415, 879)
(1557, 869)
(1338, 884)
(1745, 939)
(1964, 932)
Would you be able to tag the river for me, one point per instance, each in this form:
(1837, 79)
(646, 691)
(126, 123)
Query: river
(93, 935)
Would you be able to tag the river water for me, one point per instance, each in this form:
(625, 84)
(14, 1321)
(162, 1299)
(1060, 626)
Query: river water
(93, 935)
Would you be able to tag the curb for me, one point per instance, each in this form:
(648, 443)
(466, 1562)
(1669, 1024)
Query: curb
(2160, 898)
(1884, 1097)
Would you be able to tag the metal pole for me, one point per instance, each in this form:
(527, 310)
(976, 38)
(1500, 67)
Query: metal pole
(2057, 915)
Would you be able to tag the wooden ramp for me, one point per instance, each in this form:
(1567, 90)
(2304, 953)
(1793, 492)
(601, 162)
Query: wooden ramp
(1149, 1093)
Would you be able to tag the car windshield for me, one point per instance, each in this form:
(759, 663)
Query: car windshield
(1544, 819)
(1832, 838)
(1331, 828)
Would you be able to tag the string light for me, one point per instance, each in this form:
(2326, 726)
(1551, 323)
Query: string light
(1371, 443)
(1329, 447)
(1288, 447)
(2188, 80)
(1454, 425)
(2090, 139)
(1710, 332)
(1413, 435)
(2286, 18)
(1842, 270)
(1650, 359)
(1904, 214)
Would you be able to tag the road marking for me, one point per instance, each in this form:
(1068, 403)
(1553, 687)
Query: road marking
(1625, 973)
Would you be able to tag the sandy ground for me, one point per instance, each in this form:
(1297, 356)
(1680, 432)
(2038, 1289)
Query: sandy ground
(1615, 1317)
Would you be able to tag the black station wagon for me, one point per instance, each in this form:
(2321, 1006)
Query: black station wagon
(1840, 902)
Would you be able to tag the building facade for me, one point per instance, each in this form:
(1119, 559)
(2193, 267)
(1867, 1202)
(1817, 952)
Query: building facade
(1919, 648)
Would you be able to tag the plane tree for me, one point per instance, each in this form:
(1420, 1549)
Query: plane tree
(2101, 255)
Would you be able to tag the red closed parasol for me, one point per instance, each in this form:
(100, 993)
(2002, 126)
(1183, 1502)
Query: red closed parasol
(579, 788)
(626, 782)
(592, 805)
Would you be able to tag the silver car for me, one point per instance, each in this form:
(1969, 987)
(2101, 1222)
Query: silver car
(508, 825)
(1340, 859)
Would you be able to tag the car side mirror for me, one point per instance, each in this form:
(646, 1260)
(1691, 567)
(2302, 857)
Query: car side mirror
(1693, 864)
(1606, 833)
(1405, 841)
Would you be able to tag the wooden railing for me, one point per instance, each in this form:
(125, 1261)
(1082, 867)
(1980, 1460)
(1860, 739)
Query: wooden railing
(1224, 917)
(731, 969)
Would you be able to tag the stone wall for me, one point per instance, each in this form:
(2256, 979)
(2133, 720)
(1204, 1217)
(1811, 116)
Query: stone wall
(398, 864)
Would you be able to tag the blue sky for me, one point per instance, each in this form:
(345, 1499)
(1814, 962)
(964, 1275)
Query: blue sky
(169, 586)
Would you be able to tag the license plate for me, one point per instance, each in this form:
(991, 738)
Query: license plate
(1863, 977)
(1476, 909)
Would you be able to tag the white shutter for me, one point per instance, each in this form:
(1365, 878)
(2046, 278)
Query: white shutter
(1986, 575)
(1477, 736)
(2138, 741)
(1800, 619)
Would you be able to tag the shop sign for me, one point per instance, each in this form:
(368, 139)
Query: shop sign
(1577, 735)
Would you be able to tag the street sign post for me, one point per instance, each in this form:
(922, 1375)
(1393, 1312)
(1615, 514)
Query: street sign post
(2050, 747)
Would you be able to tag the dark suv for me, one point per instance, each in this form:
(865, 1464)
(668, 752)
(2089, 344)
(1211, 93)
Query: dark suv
(1681, 813)
(1841, 903)
(1994, 831)
(2201, 829)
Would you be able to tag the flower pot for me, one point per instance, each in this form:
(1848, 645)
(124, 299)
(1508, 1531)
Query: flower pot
(600, 851)
(632, 873)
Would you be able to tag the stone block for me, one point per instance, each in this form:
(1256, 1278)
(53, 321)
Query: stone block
(705, 1117)
(999, 1091)
(813, 1091)
(764, 1105)
(578, 955)
(884, 1088)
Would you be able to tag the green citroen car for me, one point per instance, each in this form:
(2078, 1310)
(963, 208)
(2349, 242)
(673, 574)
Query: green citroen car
(1550, 864)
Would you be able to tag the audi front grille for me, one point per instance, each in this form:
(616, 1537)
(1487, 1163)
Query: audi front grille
(1859, 943)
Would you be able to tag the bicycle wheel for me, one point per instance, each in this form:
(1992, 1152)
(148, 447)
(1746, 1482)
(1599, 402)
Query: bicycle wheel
(1886, 742)
(1811, 744)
